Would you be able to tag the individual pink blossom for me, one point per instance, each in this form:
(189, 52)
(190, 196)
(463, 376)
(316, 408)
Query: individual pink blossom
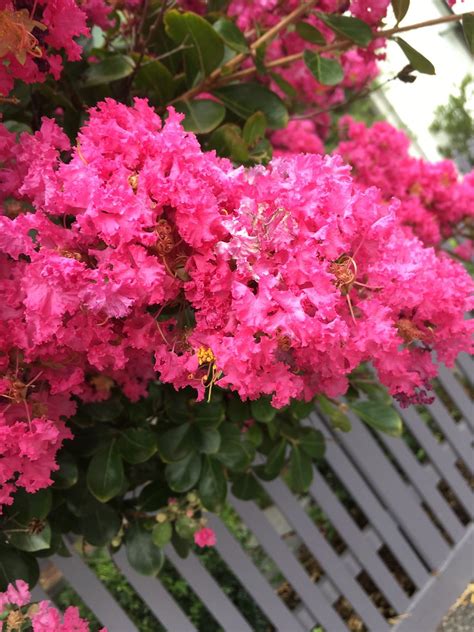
(16, 594)
(205, 537)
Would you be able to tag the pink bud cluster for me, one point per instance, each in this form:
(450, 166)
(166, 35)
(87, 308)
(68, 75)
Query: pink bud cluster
(147, 257)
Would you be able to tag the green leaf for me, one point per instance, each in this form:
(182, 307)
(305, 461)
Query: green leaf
(109, 410)
(182, 547)
(275, 460)
(416, 59)
(99, 523)
(255, 435)
(254, 128)
(354, 29)
(234, 453)
(300, 410)
(31, 542)
(109, 69)
(228, 142)
(142, 554)
(105, 475)
(161, 534)
(176, 443)
(68, 473)
(300, 470)
(209, 440)
(380, 416)
(231, 34)
(202, 115)
(246, 98)
(312, 442)
(262, 410)
(400, 8)
(336, 416)
(185, 527)
(309, 33)
(328, 72)
(154, 81)
(284, 85)
(29, 506)
(468, 28)
(205, 47)
(137, 445)
(184, 475)
(209, 414)
(17, 565)
(246, 487)
(153, 496)
(212, 485)
(237, 410)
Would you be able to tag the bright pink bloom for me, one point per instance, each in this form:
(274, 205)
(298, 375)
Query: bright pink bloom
(205, 537)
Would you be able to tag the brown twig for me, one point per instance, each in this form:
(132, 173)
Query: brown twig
(219, 77)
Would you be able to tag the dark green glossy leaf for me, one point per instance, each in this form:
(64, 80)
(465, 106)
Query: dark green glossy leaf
(228, 142)
(154, 81)
(254, 128)
(182, 547)
(205, 47)
(153, 496)
(380, 416)
(28, 506)
(262, 410)
(400, 8)
(309, 33)
(105, 475)
(176, 443)
(416, 59)
(68, 473)
(184, 474)
(137, 445)
(31, 542)
(300, 470)
(161, 534)
(209, 414)
(109, 69)
(231, 34)
(142, 554)
(275, 460)
(352, 28)
(246, 487)
(327, 71)
(17, 565)
(100, 523)
(202, 115)
(235, 453)
(237, 410)
(300, 410)
(109, 410)
(209, 440)
(212, 485)
(312, 442)
(246, 98)
(468, 28)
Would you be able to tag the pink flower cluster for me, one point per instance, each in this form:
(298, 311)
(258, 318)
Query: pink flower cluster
(147, 256)
(435, 202)
(205, 537)
(34, 33)
(43, 617)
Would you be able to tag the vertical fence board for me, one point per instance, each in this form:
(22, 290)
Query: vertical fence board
(457, 394)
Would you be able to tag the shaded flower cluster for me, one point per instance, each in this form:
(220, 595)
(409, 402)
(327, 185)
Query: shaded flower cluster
(35, 34)
(146, 256)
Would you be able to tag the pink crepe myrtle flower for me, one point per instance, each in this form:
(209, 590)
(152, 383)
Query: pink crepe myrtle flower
(205, 537)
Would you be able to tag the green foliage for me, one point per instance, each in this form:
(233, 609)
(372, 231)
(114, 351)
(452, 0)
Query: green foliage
(416, 59)
(454, 122)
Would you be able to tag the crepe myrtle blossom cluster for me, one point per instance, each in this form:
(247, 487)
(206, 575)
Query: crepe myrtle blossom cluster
(34, 34)
(435, 201)
(19, 612)
(135, 254)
